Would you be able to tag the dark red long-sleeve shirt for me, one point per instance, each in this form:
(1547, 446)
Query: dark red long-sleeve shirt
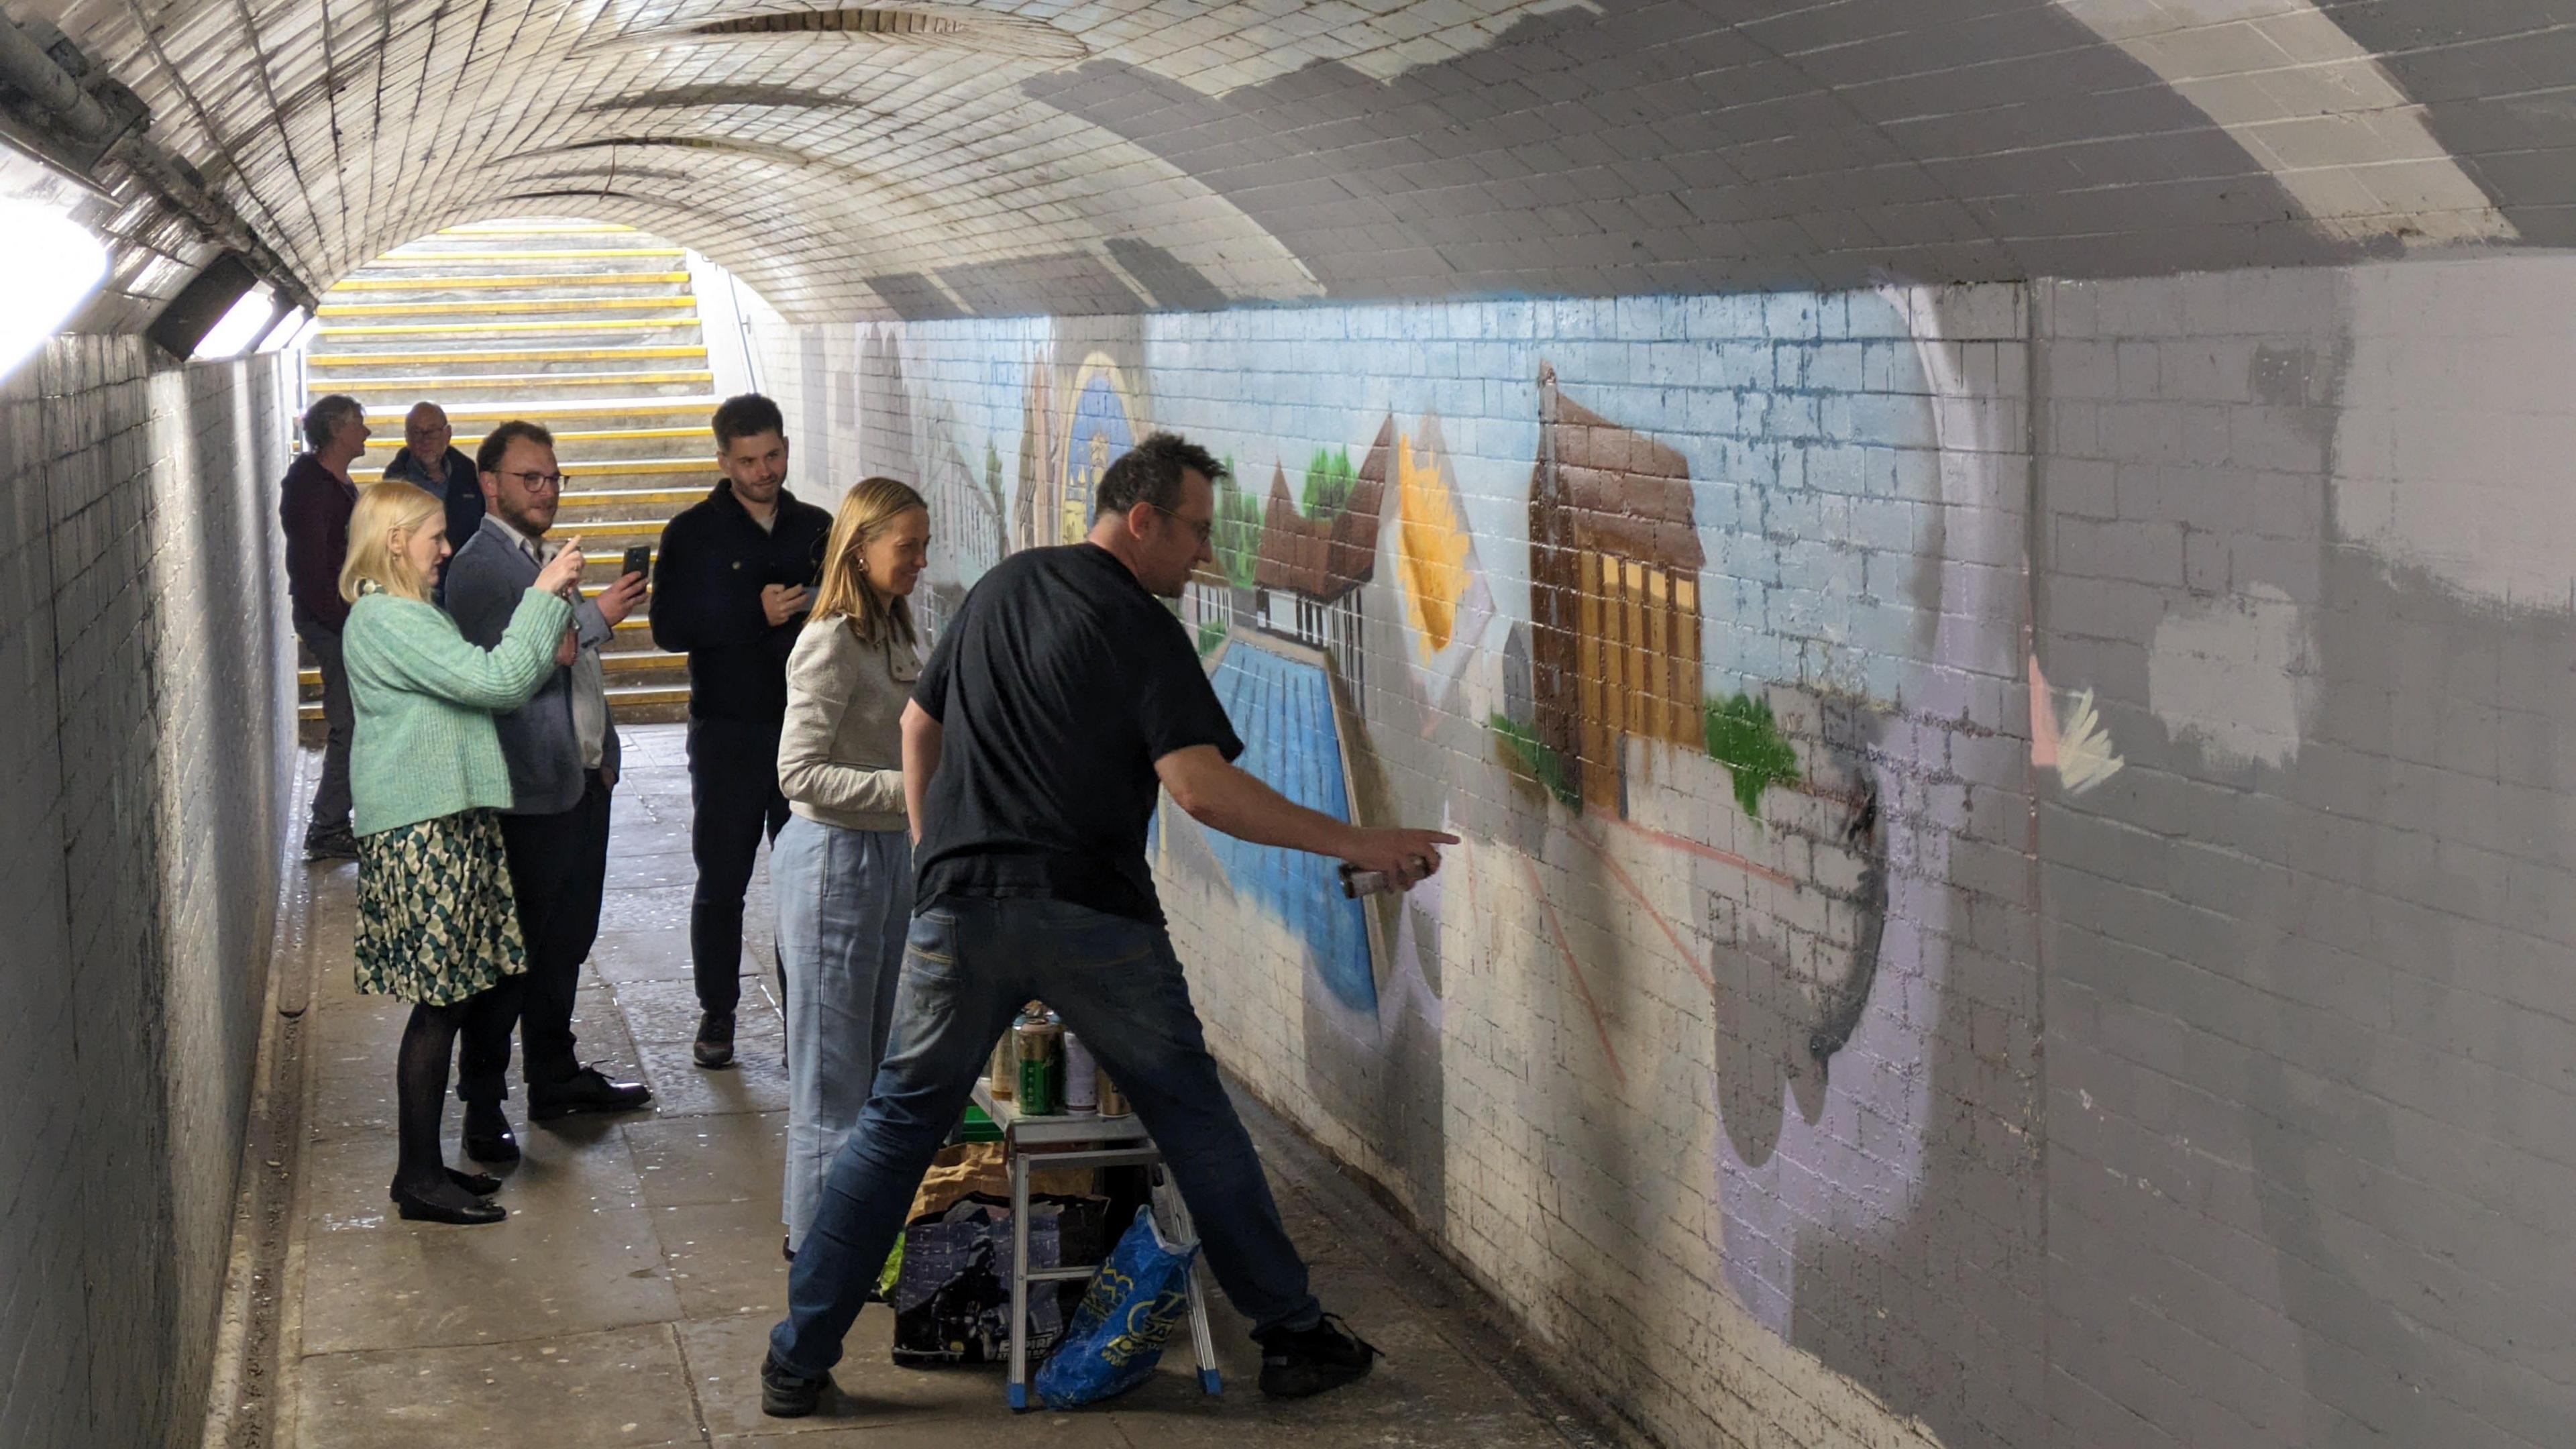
(315, 507)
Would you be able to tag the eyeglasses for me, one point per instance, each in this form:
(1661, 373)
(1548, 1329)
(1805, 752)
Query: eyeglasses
(535, 482)
(1206, 531)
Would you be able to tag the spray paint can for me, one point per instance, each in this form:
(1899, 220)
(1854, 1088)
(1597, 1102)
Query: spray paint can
(1038, 1045)
(1081, 1078)
(1113, 1102)
(1002, 1074)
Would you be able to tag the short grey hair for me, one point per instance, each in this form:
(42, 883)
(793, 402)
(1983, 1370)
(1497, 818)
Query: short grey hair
(325, 417)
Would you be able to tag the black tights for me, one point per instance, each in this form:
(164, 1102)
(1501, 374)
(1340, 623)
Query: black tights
(420, 1097)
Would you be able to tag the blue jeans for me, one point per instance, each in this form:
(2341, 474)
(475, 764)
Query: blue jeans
(968, 966)
(844, 898)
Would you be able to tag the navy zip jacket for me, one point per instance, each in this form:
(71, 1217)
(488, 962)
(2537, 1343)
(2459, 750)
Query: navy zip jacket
(713, 563)
(460, 487)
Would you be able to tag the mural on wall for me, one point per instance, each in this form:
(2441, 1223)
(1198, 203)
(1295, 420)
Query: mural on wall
(1280, 697)
(1310, 565)
(2079, 750)
(1614, 596)
(1447, 605)
(1035, 501)
(1636, 927)
(1100, 424)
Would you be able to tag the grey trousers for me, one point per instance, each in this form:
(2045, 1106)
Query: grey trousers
(331, 796)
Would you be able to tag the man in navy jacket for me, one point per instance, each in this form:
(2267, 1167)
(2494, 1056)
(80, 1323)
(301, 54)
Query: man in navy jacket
(429, 460)
(732, 582)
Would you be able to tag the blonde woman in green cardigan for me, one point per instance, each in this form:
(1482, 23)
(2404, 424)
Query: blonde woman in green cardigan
(436, 923)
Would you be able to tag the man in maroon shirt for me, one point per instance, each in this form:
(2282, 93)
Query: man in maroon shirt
(314, 504)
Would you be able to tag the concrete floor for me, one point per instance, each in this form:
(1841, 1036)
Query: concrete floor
(627, 1299)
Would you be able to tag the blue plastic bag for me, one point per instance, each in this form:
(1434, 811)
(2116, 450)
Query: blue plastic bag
(1118, 1333)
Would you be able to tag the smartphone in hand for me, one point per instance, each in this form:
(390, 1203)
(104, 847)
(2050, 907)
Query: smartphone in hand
(638, 560)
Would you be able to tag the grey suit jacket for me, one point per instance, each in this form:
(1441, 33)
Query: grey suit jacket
(484, 583)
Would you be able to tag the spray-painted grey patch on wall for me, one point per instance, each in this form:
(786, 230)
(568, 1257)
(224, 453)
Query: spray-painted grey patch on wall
(2233, 675)
(2453, 443)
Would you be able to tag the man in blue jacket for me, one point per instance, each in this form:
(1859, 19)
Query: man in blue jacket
(429, 459)
(562, 750)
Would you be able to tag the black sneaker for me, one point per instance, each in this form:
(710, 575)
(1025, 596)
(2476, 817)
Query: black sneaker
(1296, 1363)
(785, 1395)
(714, 1046)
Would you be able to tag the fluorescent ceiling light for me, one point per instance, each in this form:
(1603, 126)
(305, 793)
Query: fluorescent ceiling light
(287, 332)
(245, 323)
(53, 264)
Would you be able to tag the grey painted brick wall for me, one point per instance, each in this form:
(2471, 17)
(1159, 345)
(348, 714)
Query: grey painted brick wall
(2218, 1098)
(143, 649)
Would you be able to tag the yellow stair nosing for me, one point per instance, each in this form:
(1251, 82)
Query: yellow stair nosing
(541, 379)
(453, 309)
(514, 354)
(466, 442)
(550, 254)
(453, 329)
(601, 497)
(585, 407)
(584, 228)
(504, 280)
(594, 467)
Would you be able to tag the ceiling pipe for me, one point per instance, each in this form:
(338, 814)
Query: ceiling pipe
(25, 65)
(30, 69)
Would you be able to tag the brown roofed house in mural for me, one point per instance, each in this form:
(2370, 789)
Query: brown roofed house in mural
(1614, 590)
(1309, 570)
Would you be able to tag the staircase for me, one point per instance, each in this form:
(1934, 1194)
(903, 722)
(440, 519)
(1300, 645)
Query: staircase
(590, 330)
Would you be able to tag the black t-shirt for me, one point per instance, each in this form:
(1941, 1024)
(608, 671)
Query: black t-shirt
(1057, 687)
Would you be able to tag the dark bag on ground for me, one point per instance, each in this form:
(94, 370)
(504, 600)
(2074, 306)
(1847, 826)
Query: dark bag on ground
(952, 1295)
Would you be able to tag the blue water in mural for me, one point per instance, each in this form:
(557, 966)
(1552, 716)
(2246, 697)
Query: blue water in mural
(1283, 709)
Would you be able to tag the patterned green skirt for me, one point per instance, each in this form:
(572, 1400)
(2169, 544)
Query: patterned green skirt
(436, 921)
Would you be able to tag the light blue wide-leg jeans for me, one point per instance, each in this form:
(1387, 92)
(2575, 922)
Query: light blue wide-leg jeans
(844, 899)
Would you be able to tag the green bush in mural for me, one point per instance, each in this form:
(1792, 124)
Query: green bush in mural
(1744, 738)
(1211, 634)
(1530, 758)
(1329, 481)
(1237, 535)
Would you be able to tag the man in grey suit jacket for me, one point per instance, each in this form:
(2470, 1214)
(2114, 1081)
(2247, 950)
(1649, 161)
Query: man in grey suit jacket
(563, 755)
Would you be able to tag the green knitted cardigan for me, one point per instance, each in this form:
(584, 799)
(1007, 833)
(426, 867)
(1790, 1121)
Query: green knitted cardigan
(424, 700)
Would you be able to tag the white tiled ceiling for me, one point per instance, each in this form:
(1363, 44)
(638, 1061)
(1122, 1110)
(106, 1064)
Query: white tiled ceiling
(1129, 154)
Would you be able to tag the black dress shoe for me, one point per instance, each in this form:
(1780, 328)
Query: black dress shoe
(488, 1138)
(481, 1184)
(421, 1210)
(587, 1090)
(714, 1046)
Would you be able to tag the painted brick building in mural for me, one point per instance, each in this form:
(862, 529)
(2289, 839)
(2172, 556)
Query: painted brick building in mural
(1614, 591)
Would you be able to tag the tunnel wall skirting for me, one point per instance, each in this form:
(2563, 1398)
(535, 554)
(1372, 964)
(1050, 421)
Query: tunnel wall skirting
(147, 665)
(2016, 885)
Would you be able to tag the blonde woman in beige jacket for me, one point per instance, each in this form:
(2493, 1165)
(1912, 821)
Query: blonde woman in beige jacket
(841, 870)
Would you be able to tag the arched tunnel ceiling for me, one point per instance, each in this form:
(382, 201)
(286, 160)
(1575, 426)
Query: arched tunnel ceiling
(931, 160)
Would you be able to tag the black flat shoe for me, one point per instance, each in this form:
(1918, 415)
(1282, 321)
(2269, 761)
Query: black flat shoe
(421, 1210)
(488, 1137)
(587, 1090)
(481, 1184)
